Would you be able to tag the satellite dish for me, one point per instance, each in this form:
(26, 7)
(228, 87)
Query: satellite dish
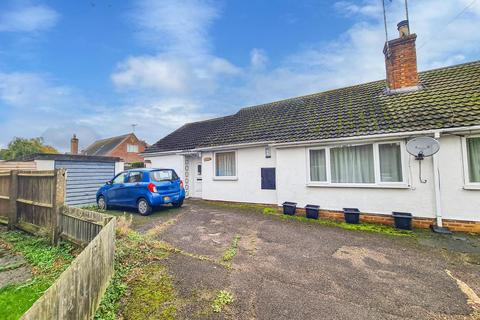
(421, 147)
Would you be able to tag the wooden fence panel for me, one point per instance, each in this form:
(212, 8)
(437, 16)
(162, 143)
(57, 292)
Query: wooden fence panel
(77, 292)
(4, 196)
(35, 197)
(81, 226)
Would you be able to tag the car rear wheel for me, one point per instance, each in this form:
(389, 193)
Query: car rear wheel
(102, 203)
(144, 207)
(177, 204)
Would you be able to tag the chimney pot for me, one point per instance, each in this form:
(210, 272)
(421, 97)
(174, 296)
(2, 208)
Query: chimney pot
(403, 28)
(74, 145)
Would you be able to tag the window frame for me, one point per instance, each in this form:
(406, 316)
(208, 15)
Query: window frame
(467, 183)
(227, 178)
(376, 165)
(132, 145)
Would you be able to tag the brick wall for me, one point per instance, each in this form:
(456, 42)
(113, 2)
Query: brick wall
(421, 223)
(129, 157)
(401, 62)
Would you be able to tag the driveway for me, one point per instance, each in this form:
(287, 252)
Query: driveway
(296, 270)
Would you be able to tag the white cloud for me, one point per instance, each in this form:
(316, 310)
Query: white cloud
(160, 72)
(258, 58)
(179, 26)
(28, 19)
(181, 65)
(366, 8)
(31, 90)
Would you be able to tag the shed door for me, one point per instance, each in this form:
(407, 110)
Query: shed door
(84, 179)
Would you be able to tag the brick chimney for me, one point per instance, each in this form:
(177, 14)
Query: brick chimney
(401, 60)
(74, 145)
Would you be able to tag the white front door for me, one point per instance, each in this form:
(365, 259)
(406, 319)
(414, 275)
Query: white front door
(197, 178)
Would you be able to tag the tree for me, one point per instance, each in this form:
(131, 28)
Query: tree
(19, 148)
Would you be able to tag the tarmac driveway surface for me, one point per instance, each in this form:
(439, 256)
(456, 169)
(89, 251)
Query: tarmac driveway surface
(296, 270)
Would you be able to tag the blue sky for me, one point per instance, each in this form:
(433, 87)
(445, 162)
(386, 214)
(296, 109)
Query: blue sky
(95, 67)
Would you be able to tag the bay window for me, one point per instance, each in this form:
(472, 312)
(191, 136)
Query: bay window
(363, 164)
(225, 164)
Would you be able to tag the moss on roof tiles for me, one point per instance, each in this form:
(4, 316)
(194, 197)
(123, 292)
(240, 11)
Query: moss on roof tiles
(450, 97)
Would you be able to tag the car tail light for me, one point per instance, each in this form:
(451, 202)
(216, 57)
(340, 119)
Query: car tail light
(151, 187)
(181, 184)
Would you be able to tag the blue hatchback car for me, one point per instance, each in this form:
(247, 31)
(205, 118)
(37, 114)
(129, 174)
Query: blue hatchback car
(142, 189)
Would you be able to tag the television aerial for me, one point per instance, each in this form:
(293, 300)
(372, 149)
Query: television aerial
(422, 147)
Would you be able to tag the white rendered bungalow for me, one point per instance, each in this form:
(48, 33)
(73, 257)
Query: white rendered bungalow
(346, 147)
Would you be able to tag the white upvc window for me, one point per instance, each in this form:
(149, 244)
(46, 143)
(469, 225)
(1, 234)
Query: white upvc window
(132, 148)
(225, 165)
(471, 161)
(370, 164)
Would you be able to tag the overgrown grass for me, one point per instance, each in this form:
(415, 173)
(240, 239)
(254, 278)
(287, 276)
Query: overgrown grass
(232, 250)
(135, 255)
(222, 299)
(369, 227)
(152, 295)
(47, 262)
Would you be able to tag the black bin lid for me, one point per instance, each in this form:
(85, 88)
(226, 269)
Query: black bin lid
(351, 210)
(290, 204)
(312, 206)
(402, 214)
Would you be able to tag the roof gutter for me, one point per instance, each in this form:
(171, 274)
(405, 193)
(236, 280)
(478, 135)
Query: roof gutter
(235, 146)
(161, 153)
(376, 136)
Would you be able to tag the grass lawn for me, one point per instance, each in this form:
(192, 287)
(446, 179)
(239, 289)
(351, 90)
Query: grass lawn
(47, 264)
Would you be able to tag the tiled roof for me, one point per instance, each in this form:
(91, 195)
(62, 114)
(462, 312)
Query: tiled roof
(103, 147)
(450, 97)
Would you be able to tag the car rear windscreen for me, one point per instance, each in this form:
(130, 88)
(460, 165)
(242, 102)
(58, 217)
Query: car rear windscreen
(163, 175)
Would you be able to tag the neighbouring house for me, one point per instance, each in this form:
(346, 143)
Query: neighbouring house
(346, 147)
(127, 147)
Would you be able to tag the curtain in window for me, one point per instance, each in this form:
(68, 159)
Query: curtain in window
(473, 150)
(390, 162)
(352, 164)
(318, 166)
(225, 164)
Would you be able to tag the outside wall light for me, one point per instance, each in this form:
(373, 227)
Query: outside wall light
(268, 152)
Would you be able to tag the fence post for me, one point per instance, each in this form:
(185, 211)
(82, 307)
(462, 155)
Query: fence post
(58, 202)
(13, 216)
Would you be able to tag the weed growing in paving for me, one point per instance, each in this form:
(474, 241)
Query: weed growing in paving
(47, 262)
(222, 299)
(232, 250)
(370, 227)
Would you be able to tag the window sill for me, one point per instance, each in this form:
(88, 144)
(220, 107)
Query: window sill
(357, 185)
(225, 178)
(471, 187)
